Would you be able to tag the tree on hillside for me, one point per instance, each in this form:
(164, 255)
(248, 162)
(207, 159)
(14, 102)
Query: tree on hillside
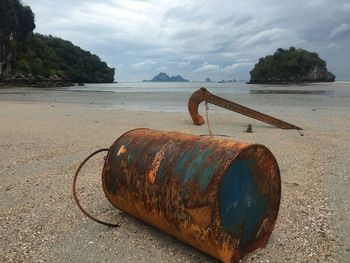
(48, 55)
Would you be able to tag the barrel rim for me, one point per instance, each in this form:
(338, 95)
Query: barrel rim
(253, 246)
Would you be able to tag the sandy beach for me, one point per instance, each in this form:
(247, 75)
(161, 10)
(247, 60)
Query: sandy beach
(44, 135)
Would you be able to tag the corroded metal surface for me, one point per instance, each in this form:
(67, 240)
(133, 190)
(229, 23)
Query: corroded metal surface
(203, 94)
(219, 196)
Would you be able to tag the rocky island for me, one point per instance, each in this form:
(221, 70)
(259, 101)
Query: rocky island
(163, 77)
(290, 66)
(28, 59)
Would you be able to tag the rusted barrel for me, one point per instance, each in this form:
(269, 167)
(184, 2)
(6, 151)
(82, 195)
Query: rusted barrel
(219, 196)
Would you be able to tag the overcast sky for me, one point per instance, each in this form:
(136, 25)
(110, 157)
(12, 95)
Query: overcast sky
(219, 39)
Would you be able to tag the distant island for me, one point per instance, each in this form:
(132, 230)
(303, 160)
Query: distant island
(227, 81)
(37, 60)
(291, 66)
(163, 77)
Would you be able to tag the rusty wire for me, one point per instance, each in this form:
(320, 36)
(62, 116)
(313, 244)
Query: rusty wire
(208, 123)
(75, 192)
(207, 116)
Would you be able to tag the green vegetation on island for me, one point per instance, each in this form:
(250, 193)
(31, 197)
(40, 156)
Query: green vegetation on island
(291, 66)
(48, 56)
(34, 58)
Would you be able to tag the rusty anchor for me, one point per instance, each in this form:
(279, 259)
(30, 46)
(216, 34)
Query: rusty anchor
(203, 94)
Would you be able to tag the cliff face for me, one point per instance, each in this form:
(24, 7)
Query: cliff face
(290, 66)
(319, 74)
(16, 24)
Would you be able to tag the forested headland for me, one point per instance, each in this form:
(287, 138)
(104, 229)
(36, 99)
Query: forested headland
(28, 58)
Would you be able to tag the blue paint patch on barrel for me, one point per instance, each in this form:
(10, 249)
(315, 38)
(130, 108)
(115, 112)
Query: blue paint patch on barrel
(190, 165)
(206, 176)
(242, 207)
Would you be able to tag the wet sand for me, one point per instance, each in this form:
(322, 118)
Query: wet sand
(45, 136)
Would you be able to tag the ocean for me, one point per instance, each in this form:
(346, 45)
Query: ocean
(173, 96)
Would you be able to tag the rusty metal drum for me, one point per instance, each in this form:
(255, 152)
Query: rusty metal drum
(219, 196)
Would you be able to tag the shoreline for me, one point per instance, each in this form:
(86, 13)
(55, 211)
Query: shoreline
(169, 98)
(41, 146)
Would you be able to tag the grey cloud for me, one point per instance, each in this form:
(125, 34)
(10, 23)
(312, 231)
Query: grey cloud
(339, 30)
(233, 20)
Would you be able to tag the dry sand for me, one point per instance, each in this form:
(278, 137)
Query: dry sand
(42, 144)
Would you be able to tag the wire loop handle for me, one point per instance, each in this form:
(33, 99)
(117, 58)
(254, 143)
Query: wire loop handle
(75, 191)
